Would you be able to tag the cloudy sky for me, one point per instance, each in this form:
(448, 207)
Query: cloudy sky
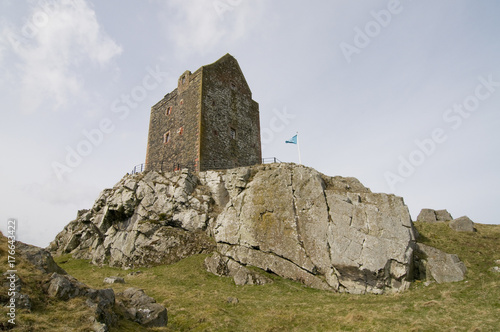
(403, 95)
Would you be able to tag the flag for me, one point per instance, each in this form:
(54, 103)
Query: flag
(292, 140)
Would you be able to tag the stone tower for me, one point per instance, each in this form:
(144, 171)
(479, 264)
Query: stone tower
(210, 121)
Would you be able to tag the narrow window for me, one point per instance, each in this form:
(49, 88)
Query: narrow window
(181, 102)
(168, 111)
(166, 137)
(233, 86)
(180, 131)
(216, 133)
(233, 133)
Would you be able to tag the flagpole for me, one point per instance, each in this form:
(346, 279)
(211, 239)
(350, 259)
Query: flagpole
(298, 148)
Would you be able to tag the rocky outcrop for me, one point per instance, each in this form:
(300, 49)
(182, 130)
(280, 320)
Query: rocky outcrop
(146, 219)
(329, 233)
(38, 257)
(102, 301)
(429, 215)
(57, 284)
(462, 224)
(435, 265)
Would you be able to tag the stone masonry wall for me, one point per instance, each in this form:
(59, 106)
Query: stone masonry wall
(230, 128)
(182, 124)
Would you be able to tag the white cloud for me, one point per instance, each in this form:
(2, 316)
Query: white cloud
(57, 39)
(199, 26)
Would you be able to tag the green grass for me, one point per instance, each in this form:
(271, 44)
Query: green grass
(197, 300)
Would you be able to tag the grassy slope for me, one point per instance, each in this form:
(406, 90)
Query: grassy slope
(197, 300)
(47, 314)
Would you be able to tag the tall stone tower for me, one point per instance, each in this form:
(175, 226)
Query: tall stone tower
(210, 121)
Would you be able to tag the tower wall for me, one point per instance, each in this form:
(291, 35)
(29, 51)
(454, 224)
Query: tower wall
(230, 128)
(211, 121)
(182, 125)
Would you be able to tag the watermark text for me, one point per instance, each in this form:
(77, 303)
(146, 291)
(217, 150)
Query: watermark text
(120, 108)
(12, 272)
(453, 117)
(372, 29)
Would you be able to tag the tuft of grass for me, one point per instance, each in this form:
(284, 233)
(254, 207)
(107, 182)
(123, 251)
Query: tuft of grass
(198, 301)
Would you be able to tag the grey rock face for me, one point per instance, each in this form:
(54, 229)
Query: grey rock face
(328, 233)
(462, 224)
(146, 219)
(430, 215)
(142, 308)
(435, 264)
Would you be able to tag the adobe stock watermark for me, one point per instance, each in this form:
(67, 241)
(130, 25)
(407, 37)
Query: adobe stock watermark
(454, 118)
(223, 6)
(120, 108)
(278, 123)
(372, 29)
(43, 11)
(11, 274)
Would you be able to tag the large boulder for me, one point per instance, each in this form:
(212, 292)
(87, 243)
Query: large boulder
(328, 233)
(434, 264)
(462, 224)
(432, 216)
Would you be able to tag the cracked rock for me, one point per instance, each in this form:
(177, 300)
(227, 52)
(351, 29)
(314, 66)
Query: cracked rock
(328, 233)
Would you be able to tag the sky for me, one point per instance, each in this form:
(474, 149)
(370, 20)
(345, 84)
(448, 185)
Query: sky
(403, 95)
